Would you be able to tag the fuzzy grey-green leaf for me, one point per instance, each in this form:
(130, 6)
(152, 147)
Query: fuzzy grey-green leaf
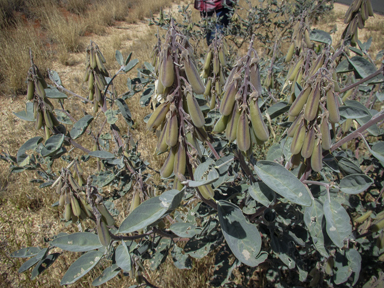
(355, 183)
(77, 242)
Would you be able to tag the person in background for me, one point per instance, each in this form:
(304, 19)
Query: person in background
(219, 7)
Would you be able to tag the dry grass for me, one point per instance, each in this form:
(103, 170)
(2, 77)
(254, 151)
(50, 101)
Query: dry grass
(14, 57)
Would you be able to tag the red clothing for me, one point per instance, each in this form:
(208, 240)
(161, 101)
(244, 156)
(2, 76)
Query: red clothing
(211, 5)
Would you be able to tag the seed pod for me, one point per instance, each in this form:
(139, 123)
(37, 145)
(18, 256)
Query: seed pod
(201, 134)
(228, 100)
(103, 233)
(369, 8)
(160, 87)
(39, 120)
(100, 81)
(168, 71)
(177, 184)
(363, 217)
(333, 107)
(67, 212)
(180, 162)
(294, 72)
(243, 136)
(212, 102)
(193, 141)
(230, 78)
(222, 57)
(91, 81)
(92, 58)
(254, 77)
(290, 52)
(317, 157)
(105, 215)
(221, 124)
(216, 65)
(296, 123)
(207, 91)
(172, 132)
(158, 116)
(162, 145)
(312, 105)
(348, 15)
(336, 87)
(167, 168)
(62, 199)
(258, 125)
(325, 134)
(54, 120)
(307, 39)
(377, 226)
(207, 62)
(47, 119)
(47, 133)
(30, 89)
(193, 76)
(232, 125)
(268, 81)
(195, 111)
(40, 89)
(206, 191)
(308, 144)
(218, 88)
(75, 206)
(346, 125)
(328, 266)
(135, 201)
(100, 65)
(298, 139)
(301, 99)
(86, 207)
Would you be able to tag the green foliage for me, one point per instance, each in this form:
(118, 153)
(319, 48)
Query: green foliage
(262, 187)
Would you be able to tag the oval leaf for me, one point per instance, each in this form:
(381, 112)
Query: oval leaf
(102, 154)
(185, 230)
(52, 145)
(55, 94)
(44, 264)
(242, 237)
(123, 259)
(320, 36)
(355, 183)
(29, 145)
(77, 242)
(106, 275)
(81, 266)
(26, 252)
(26, 114)
(283, 182)
(262, 193)
(338, 225)
(29, 263)
(145, 214)
(350, 112)
(80, 126)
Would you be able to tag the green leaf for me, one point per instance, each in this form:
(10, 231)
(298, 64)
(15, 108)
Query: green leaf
(80, 126)
(62, 117)
(338, 225)
(44, 264)
(52, 145)
(357, 51)
(119, 58)
(283, 182)
(212, 176)
(354, 262)
(108, 273)
(111, 116)
(341, 269)
(262, 193)
(313, 219)
(31, 144)
(351, 112)
(77, 242)
(344, 67)
(355, 183)
(29, 263)
(185, 230)
(26, 252)
(123, 259)
(278, 109)
(364, 68)
(145, 214)
(374, 130)
(130, 65)
(171, 199)
(102, 154)
(242, 237)
(124, 110)
(320, 36)
(55, 94)
(180, 260)
(26, 114)
(54, 76)
(377, 151)
(81, 266)
(347, 167)
(274, 152)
